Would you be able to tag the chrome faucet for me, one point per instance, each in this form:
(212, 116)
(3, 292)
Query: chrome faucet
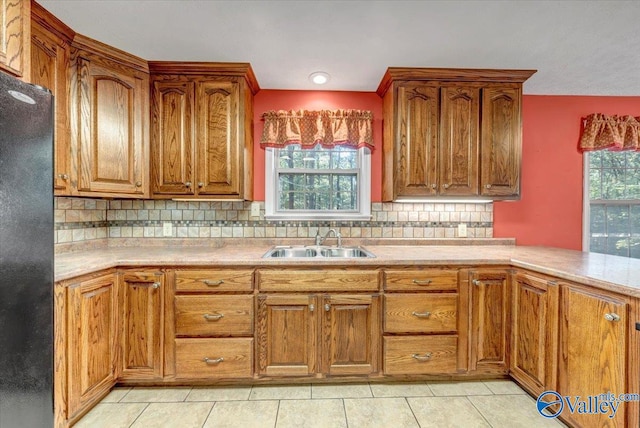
(320, 240)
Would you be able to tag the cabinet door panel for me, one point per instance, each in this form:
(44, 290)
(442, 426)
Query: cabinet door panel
(172, 137)
(287, 335)
(417, 140)
(111, 149)
(142, 303)
(91, 340)
(534, 334)
(501, 142)
(593, 350)
(14, 37)
(459, 123)
(49, 64)
(489, 321)
(350, 334)
(219, 157)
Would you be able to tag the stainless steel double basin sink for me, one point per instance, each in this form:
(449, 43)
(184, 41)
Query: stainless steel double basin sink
(317, 252)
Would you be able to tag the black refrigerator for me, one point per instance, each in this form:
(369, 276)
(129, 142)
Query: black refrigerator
(26, 255)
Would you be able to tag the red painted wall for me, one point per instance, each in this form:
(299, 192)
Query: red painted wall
(550, 210)
(317, 100)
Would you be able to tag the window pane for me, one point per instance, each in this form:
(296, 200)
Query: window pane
(618, 246)
(613, 181)
(595, 186)
(318, 191)
(617, 220)
(597, 226)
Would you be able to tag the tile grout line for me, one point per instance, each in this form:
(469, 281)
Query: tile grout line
(208, 414)
(275, 423)
(406, 400)
(480, 412)
(344, 411)
(139, 414)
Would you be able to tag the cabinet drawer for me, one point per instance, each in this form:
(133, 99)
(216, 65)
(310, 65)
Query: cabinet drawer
(214, 315)
(317, 280)
(213, 280)
(420, 313)
(214, 358)
(421, 280)
(420, 354)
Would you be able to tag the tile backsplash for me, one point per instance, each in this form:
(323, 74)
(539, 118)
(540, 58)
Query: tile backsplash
(82, 219)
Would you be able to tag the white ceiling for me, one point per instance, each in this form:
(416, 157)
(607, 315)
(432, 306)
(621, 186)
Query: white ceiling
(578, 47)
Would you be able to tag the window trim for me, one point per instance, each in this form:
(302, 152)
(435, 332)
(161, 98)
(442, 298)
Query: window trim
(364, 193)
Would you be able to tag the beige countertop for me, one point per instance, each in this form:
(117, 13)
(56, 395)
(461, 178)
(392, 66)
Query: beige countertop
(608, 272)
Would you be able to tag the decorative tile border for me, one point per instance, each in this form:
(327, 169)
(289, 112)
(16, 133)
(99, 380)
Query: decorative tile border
(79, 219)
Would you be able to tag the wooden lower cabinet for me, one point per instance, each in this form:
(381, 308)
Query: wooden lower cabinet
(91, 342)
(489, 320)
(534, 332)
(141, 305)
(214, 358)
(298, 338)
(414, 355)
(595, 353)
(350, 334)
(287, 335)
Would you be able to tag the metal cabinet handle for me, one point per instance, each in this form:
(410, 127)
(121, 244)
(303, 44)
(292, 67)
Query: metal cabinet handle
(445, 185)
(138, 183)
(187, 184)
(312, 307)
(476, 282)
(200, 184)
(425, 357)
(434, 186)
(422, 281)
(612, 317)
(213, 361)
(63, 176)
(213, 283)
(156, 285)
(488, 186)
(214, 317)
(421, 314)
(327, 307)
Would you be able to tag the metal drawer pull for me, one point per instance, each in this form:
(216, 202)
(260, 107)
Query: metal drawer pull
(312, 307)
(327, 307)
(213, 361)
(612, 317)
(476, 282)
(212, 283)
(422, 282)
(421, 314)
(425, 357)
(155, 285)
(210, 317)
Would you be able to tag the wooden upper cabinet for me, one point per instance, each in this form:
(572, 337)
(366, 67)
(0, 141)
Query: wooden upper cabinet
(14, 37)
(110, 120)
(451, 133)
(417, 171)
(50, 59)
(202, 130)
(459, 121)
(501, 141)
(173, 148)
(217, 131)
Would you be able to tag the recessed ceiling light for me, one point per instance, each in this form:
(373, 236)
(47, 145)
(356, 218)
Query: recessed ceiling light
(319, 77)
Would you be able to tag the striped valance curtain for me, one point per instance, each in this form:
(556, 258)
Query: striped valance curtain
(329, 128)
(610, 132)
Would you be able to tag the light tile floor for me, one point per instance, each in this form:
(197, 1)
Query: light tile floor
(497, 404)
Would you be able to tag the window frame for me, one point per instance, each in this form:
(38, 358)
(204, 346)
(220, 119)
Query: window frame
(363, 194)
(586, 205)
